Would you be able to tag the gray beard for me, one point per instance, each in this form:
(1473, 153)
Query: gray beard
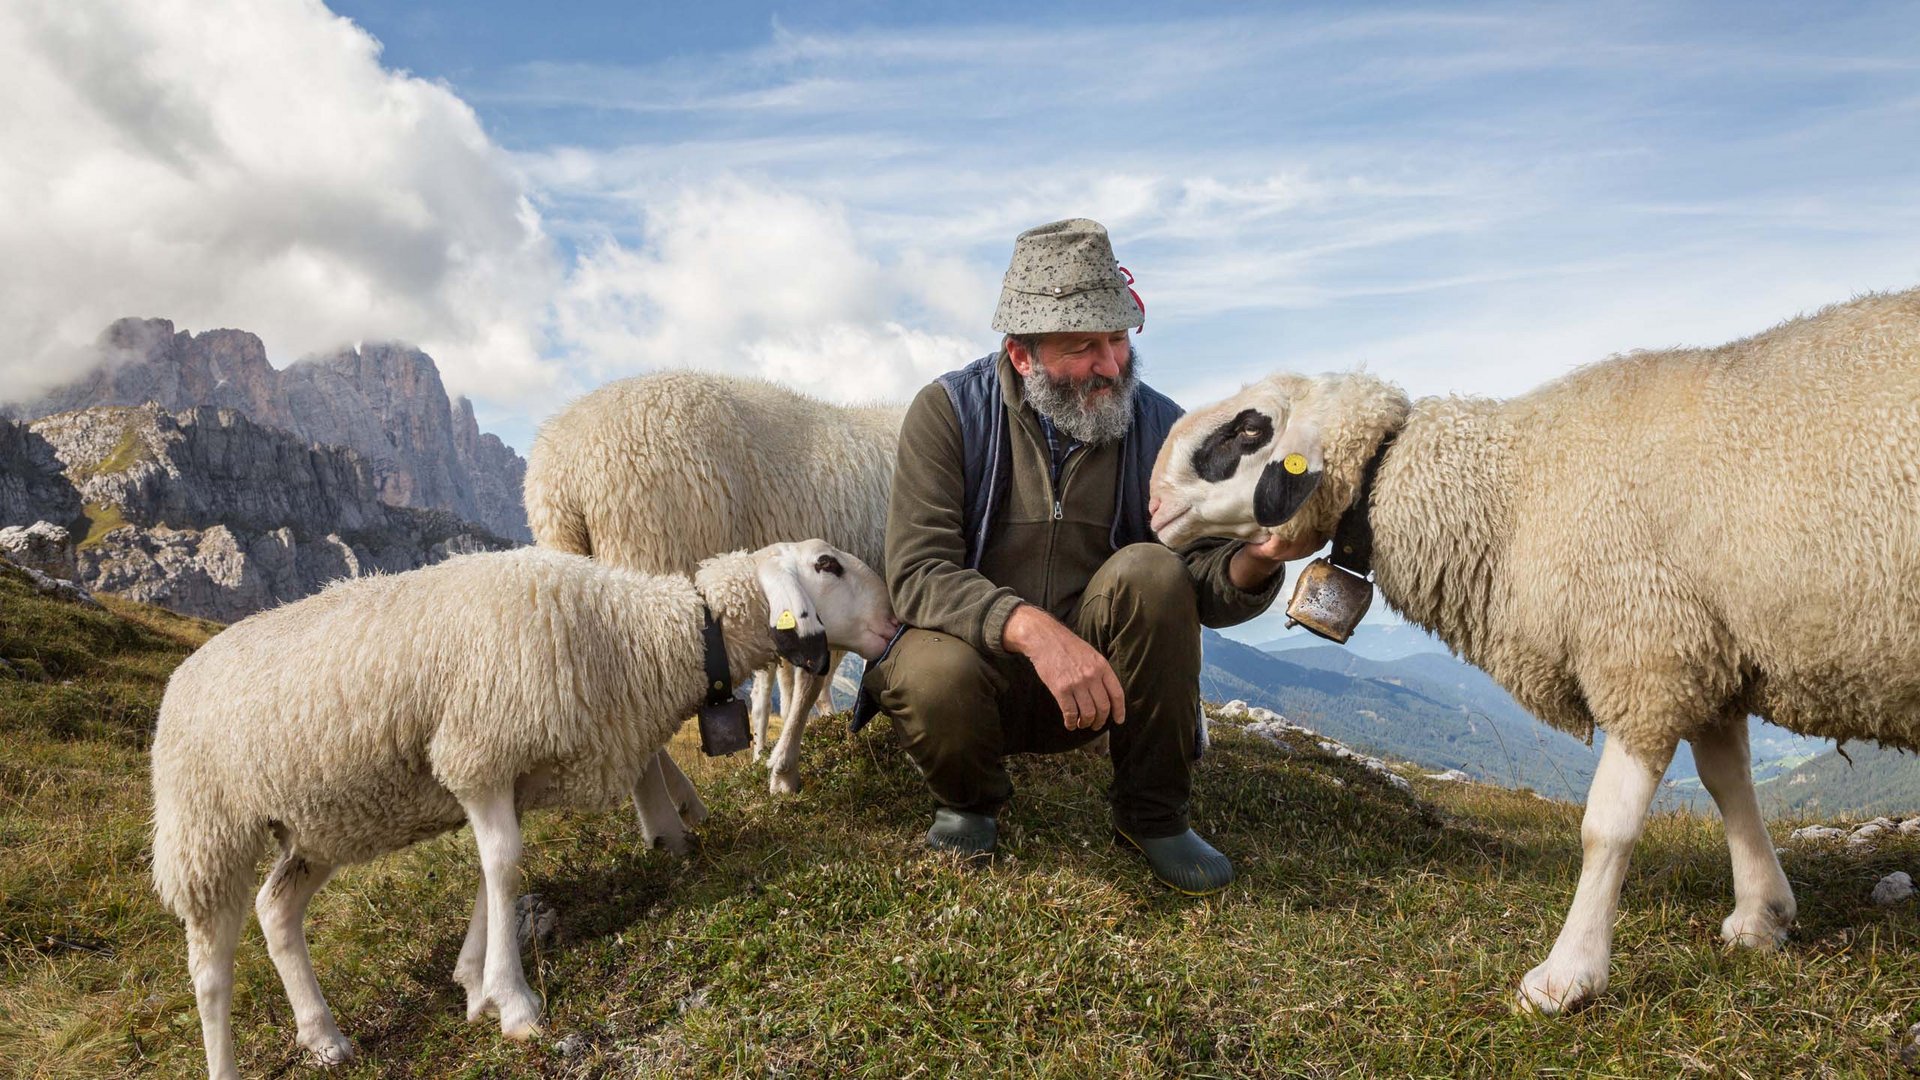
(1065, 403)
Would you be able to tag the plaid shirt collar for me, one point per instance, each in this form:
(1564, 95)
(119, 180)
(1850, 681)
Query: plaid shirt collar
(1060, 446)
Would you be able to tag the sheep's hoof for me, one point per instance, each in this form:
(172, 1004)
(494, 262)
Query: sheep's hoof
(328, 1049)
(692, 814)
(673, 843)
(520, 1016)
(783, 783)
(1550, 991)
(1759, 929)
(478, 1004)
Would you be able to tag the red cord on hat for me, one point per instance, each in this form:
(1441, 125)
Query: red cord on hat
(1142, 328)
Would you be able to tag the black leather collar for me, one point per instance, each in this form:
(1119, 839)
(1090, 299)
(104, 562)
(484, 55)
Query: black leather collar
(719, 678)
(1353, 536)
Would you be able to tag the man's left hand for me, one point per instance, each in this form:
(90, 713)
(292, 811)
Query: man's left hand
(1255, 564)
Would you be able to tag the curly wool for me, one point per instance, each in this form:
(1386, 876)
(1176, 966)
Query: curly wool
(353, 722)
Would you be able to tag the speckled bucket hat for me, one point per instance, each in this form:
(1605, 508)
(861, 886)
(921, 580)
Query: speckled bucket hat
(1063, 278)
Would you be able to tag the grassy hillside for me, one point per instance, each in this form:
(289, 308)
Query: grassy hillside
(1374, 932)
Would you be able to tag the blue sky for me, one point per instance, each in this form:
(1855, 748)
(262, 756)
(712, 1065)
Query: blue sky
(1465, 197)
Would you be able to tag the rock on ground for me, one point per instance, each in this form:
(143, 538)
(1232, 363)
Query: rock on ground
(41, 546)
(534, 919)
(1893, 888)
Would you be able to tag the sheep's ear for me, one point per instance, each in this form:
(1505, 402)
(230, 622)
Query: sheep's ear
(793, 616)
(1290, 475)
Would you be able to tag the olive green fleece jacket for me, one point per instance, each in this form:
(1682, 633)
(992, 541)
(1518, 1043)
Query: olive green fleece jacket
(1043, 546)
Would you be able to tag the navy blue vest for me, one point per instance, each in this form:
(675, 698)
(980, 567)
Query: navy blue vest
(987, 464)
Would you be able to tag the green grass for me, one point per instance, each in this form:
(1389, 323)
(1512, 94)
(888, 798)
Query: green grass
(1373, 933)
(101, 518)
(123, 455)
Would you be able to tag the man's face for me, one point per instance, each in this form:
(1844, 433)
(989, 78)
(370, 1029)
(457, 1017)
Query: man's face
(1083, 382)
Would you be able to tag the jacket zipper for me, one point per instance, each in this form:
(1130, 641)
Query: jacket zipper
(1053, 530)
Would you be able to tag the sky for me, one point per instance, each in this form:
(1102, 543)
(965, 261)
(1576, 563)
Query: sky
(1464, 198)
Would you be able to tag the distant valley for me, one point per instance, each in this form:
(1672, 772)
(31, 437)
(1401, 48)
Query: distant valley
(1396, 691)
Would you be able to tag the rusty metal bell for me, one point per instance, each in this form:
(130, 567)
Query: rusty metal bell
(1329, 601)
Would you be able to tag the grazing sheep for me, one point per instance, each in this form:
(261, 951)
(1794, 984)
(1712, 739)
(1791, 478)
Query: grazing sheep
(1657, 545)
(385, 710)
(657, 472)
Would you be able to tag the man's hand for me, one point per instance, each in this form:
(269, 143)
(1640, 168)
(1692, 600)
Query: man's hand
(1255, 564)
(1081, 680)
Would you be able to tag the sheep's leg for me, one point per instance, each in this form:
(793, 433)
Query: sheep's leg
(660, 823)
(211, 938)
(1763, 904)
(496, 831)
(282, 909)
(680, 789)
(823, 705)
(783, 765)
(1576, 969)
(470, 971)
(762, 705)
(787, 675)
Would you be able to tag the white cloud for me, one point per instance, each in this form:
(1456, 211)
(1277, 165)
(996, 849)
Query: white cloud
(742, 277)
(250, 163)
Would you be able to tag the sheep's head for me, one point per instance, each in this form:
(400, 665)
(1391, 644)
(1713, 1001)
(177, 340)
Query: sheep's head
(820, 598)
(1283, 456)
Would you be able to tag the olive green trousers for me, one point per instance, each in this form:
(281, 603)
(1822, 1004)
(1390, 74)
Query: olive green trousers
(958, 712)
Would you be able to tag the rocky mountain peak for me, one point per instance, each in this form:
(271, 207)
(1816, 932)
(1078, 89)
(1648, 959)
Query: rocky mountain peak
(383, 400)
(209, 513)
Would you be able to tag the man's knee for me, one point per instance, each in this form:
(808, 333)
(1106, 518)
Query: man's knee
(926, 668)
(1149, 574)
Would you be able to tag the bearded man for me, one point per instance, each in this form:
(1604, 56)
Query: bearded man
(1039, 609)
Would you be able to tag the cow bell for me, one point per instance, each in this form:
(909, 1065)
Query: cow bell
(1329, 600)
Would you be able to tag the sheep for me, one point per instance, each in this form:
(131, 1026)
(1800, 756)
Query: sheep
(1657, 544)
(385, 710)
(656, 472)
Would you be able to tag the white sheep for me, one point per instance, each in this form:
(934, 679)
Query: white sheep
(1658, 544)
(657, 472)
(384, 710)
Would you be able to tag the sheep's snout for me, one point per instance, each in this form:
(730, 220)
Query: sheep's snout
(1164, 512)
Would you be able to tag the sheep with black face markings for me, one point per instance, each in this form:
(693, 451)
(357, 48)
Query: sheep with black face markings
(385, 710)
(1657, 545)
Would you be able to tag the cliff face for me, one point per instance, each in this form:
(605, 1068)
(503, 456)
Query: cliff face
(211, 514)
(386, 402)
(32, 487)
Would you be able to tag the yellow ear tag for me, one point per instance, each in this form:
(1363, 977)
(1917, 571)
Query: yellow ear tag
(1294, 464)
(785, 621)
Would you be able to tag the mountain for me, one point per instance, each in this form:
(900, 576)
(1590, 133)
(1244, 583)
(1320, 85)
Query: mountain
(1877, 780)
(384, 401)
(1390, 713)
(207, 513)
(1371, 641)
(1774, 750)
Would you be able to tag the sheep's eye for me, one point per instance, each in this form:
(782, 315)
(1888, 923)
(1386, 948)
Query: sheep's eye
(1219, 453)
(829, 565)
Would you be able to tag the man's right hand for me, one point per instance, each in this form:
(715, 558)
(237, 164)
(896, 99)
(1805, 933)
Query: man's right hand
(1081, 680)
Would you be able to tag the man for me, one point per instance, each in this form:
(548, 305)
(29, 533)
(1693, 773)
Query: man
(1040, 610)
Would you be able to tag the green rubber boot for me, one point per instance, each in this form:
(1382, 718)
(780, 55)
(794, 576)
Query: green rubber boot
(1185, 863)
(970, 835)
